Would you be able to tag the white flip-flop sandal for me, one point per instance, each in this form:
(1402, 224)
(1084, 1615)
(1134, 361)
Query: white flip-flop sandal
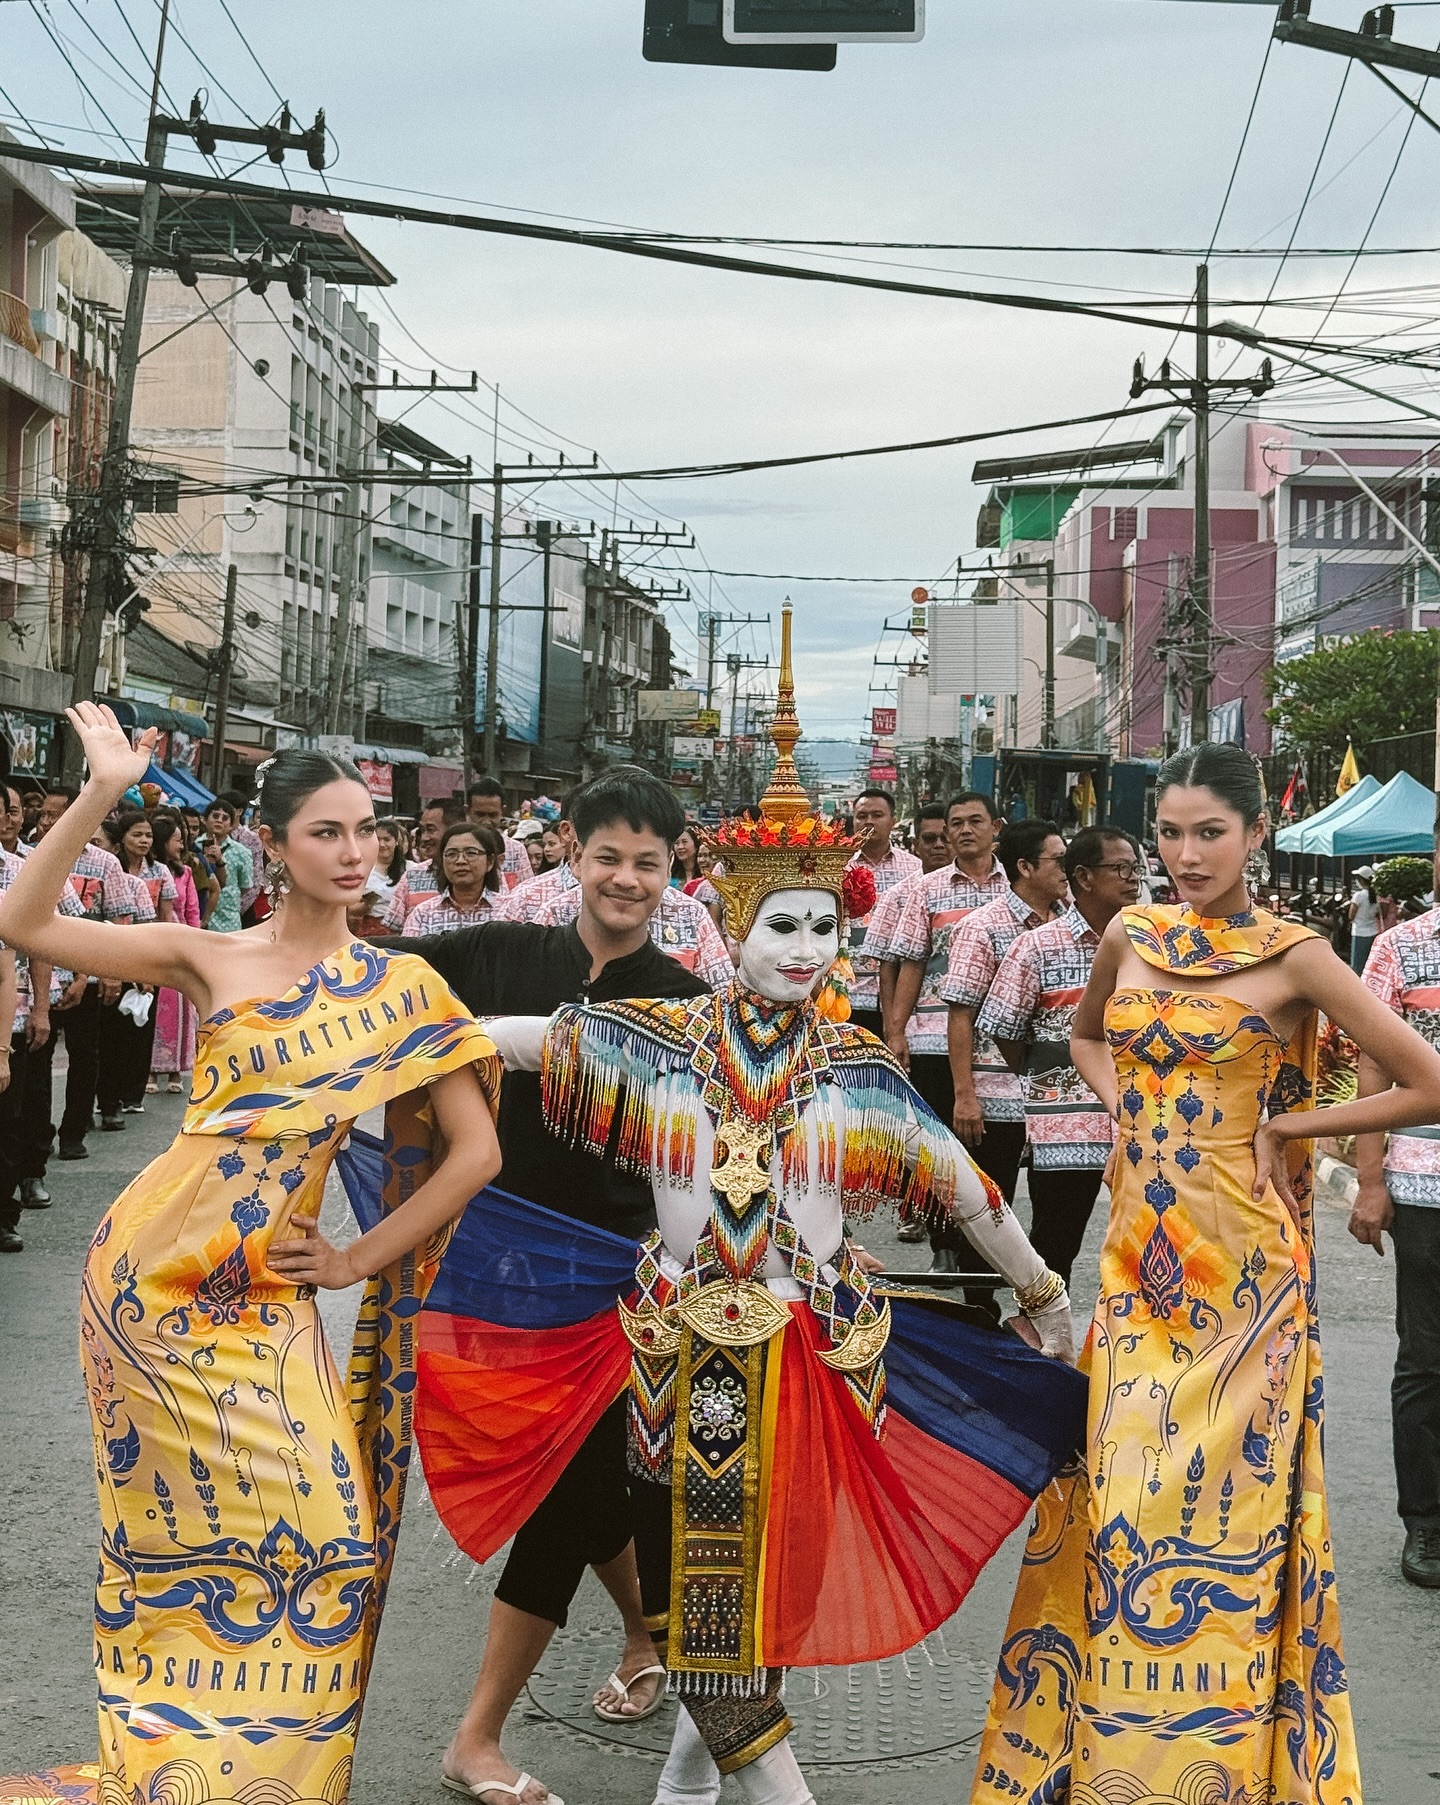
(481, 1787)
(616, 1684)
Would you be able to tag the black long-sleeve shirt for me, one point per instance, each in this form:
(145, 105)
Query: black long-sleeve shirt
(520, 968)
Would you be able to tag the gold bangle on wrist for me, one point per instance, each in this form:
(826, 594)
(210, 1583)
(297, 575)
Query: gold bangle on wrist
(1048, 1289)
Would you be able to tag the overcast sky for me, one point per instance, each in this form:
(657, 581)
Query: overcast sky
(1039, 121)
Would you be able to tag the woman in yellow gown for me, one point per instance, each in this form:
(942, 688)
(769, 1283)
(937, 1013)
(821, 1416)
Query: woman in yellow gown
(250, 1498)
(1175, 1635)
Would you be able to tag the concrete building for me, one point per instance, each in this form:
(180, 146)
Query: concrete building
(235, 389)
(36, 209)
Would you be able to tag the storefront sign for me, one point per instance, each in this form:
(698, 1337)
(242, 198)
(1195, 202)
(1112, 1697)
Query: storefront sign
(882, 722)
(379, 778)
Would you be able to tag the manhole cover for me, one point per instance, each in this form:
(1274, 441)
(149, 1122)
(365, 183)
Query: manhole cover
(928, 1702)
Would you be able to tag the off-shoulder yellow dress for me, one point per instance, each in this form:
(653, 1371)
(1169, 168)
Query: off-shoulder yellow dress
(1175, 1636)
(249, 1496)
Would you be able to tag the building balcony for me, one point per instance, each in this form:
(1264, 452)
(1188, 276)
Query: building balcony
(29, 375)
(15, 323)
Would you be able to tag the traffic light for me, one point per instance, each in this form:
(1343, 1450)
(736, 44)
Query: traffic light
(823, 21)
(691, 31)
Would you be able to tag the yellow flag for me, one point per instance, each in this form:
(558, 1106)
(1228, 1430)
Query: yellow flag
(1349, 773)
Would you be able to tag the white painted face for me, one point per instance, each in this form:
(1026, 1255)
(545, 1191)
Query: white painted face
(792, 945)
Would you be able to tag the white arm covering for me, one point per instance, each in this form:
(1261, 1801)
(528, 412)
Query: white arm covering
(1007, 1247)
(519, 1039)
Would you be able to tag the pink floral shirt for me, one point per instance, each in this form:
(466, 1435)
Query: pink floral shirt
(929, 909)
(1033, 999)
(440, 914)
(891, 872)
(1404, 972)
(976, 948)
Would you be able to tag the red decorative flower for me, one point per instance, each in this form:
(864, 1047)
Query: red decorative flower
(858, 886)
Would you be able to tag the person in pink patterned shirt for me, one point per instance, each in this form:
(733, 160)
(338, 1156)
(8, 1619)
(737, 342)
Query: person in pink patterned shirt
(1399, 1191)
(485, 807)
(930, 908)
(889, 865)
(1027, 1014)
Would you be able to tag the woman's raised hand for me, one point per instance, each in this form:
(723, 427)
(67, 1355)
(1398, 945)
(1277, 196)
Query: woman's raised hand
(114, 763)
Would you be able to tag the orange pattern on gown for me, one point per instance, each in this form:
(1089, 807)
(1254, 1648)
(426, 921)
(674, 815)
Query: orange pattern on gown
(249, 1496)
(1175, 1635)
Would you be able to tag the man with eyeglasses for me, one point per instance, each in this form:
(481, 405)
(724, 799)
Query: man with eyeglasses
(1027, 1015)
(989, 1113)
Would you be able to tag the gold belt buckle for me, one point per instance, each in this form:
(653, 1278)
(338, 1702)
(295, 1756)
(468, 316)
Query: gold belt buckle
(734, 1315)
(650, 1330)
(862, 1347)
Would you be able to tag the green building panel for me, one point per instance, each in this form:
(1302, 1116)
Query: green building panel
(1035, 513)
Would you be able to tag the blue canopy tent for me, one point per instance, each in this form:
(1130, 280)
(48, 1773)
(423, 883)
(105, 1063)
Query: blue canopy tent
(179, 787)
(1401, 818)
(1313, 833)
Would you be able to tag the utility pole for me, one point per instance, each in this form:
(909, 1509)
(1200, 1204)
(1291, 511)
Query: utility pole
(104, 532)
(1047, 730)
(734, 663)
(225, 660)
(1202, 604)
(1195, 393)
(714, 622)
(356, 520)
(469, 647)
(501, 475)
(108, 528)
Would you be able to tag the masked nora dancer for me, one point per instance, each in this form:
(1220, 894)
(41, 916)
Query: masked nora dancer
(789, 1507)
(1175, 1635)
(249, 1498)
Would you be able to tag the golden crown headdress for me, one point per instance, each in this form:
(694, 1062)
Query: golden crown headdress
(789, 847)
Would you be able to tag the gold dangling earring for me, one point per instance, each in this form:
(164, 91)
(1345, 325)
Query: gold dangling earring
(275, 883)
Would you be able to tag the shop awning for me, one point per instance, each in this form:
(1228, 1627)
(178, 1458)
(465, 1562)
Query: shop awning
(131, 713)
(1313, 833)
(1401, 818)
(179, 786)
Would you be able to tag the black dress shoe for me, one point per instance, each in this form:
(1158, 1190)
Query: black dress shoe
(33, 1195)
(73, 1149)
(1420, 1563)
(112, 1124)
(10, 1241)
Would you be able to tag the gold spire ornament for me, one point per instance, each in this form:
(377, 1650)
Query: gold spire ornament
(790, 847)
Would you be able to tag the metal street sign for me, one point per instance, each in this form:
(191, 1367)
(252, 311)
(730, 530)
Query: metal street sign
(686, 747)
(707, 720)
(667, 704)
(690, 31)
(824, 21)
(882, 722)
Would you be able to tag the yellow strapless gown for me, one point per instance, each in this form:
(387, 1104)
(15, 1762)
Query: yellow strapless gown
(249, 1496)
(1175, 1637)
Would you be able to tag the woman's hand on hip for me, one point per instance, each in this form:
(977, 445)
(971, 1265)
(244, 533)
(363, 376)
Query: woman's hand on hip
(309, 1259)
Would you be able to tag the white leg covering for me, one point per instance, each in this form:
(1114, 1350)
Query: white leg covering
(775, 1779)
(689, 1776)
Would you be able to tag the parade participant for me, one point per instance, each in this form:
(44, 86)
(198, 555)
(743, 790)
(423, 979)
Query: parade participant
(989, 1108)
(369, 914)
(419, 879)
(1028, 1012)
(1175, 1632)
(14, 1008)
(485, 807)
(126, 1040)
(625, 825)
(43, 988)
(238, 880)
(1400, 1192)
(812, 1522)
(681, 926)
(889, 865)
(249, 1507)
(250, 840)
(175, 1019)
(468, 865)
(105, 895)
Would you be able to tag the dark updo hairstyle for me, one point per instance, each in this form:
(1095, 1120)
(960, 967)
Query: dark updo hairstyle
(288, 780)
(1226, 770)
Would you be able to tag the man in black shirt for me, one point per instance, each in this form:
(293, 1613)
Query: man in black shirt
(626, 824)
